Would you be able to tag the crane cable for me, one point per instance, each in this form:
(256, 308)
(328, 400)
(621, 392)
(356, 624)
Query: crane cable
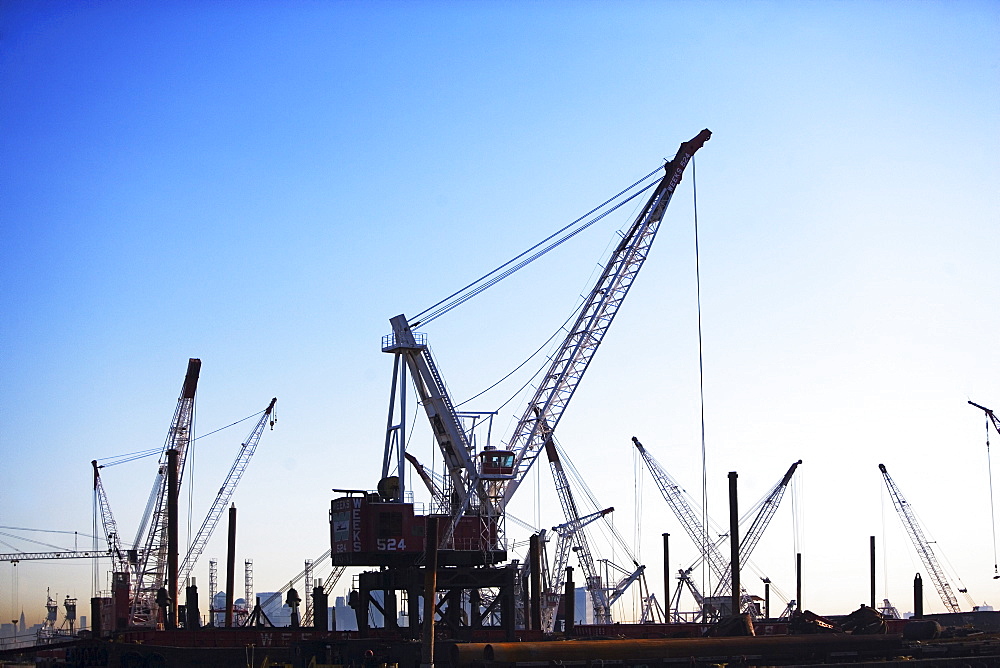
(140, 454)
(706, 576)
(496, 275)
(989, 471)
(562, 328)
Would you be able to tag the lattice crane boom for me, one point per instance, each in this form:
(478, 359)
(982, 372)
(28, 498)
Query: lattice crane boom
(328, 584)
(624, 583)
(752, 536)
(151, 571)
(602, 609)
(111, 535)
(58, 554)
(470, 490)
(921, 544)
(225, 494)
(565, 534)
(596, 314)
(673, 495)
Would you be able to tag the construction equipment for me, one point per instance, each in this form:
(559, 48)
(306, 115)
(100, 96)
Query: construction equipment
(14, 557)
(222, 499)
(329, 583)
(605, 587)
(151, 570)
(594, 583)
(566, 542)
(383, 530)
(600, 597)
(764, 511)
(921, 544)
(684, 580)
(585, 335)
(276, 596)
(119, 558)
(627, 577)
(652, 611)
(991, 418)
(433, 486)
(466, 481)
(485, 487)
(673, 494)
(888, 610)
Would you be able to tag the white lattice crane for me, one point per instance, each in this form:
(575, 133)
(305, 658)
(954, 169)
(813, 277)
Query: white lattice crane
(151, 571)
(578, 538)
(921, 544)
(222, 499)
(570, 362)
(556, 579)
(763, 512)
(119, 557)
(485, 487)
(766, 509)
(673, 494)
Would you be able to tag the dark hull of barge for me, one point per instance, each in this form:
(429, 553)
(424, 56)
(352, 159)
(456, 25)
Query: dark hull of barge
(625, 645)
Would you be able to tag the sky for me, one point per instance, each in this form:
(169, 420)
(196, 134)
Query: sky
(263, 185)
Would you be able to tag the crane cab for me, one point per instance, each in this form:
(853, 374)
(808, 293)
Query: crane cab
(496, 464)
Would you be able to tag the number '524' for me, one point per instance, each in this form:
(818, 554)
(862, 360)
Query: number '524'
(390, 544)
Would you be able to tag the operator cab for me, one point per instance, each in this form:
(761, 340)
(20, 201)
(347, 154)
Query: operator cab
(495, 463)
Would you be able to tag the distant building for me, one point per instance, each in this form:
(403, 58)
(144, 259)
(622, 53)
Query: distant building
(583, 608)
(344, 614)
(279, 613)
(218, 618)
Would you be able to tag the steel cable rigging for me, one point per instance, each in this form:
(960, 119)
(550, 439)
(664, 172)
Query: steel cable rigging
(115, 460)
(503, 271)
(991, 417)
(459, 297)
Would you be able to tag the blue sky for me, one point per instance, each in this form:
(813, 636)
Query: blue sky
(263, 185)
